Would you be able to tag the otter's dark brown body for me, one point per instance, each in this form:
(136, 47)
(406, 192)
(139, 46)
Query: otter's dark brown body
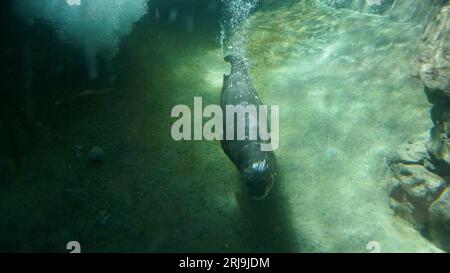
(258, 167)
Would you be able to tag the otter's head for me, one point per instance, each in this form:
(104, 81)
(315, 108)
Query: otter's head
(259, 178)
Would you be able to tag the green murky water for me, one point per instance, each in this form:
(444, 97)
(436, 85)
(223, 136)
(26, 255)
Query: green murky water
(347, 98)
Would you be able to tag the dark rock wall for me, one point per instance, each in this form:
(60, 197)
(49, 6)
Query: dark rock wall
(434, 70)
(420, 191)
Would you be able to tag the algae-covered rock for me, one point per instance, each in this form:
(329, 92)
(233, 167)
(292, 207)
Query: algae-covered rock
(413, 190)
(439, 145)
(412, 152)
(96, 155)
(421, 187)
(434, 71)
(434, 56)
(439, 223)
(420, 191)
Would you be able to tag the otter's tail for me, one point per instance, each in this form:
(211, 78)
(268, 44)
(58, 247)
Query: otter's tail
(230, 59)
(237, 63)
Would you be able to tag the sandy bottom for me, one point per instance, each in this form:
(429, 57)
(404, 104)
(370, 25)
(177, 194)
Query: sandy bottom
(347, 99)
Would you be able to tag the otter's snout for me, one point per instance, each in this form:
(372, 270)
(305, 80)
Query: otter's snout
(259, 179)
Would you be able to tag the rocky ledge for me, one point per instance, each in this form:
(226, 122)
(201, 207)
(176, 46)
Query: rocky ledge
(420, 188)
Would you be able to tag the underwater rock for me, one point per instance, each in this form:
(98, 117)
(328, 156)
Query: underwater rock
(420, 187)
(96, 155)
(439, 145)
(434, 71)
(405, 210)
(416, 186)
(434, 56)
(420, 190)
(413, 189)
(412, 152)
(439, 223)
